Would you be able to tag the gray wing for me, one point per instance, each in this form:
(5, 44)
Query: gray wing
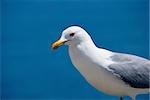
(133, 70)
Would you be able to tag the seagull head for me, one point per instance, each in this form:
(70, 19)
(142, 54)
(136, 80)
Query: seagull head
(73, 35)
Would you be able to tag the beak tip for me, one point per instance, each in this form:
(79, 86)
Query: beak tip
(53, 48)
(57, 44)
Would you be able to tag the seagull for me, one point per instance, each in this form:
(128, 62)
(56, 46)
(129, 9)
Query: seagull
(110, 72)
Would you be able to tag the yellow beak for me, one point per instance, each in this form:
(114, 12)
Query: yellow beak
(57, 44)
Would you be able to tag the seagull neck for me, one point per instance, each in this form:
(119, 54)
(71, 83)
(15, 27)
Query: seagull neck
(88, 42)
(87, 45)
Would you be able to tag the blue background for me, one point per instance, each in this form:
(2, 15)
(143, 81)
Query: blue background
(30, 70)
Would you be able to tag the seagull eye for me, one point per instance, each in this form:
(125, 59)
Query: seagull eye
(72, 34)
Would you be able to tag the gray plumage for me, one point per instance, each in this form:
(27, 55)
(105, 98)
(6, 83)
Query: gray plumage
(133, 70)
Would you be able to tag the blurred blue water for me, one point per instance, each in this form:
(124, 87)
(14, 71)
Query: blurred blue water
(30, 70)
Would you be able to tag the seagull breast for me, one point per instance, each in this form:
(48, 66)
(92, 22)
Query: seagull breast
(93, 67)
